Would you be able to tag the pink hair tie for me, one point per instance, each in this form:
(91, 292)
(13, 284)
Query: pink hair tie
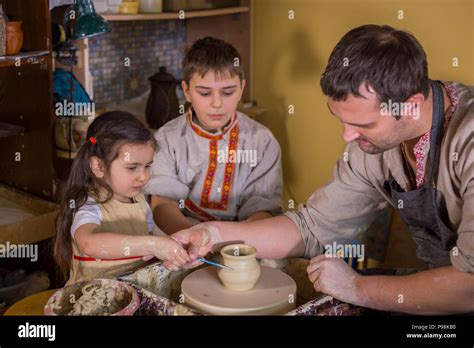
(93, 140)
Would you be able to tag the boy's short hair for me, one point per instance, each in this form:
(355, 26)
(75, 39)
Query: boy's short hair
(213, 54)
(390, 61)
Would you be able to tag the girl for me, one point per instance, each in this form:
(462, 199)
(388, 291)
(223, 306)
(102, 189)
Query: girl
(105, 226)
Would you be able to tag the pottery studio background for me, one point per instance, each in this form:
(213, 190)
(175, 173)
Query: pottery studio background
(285, 45)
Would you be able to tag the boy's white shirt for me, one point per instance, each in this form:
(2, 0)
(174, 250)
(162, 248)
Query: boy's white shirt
(181, 164)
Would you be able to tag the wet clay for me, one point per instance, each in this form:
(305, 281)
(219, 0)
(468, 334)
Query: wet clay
(96, 299)
(99, 297)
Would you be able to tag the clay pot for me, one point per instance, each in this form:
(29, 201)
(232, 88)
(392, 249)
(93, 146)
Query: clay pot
(245, 267)
(14, 37)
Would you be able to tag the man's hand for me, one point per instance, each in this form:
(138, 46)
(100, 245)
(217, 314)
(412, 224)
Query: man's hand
(198, 241)
(334, 277)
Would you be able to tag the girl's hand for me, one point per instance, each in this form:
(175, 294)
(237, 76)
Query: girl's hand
(198, 241)
(170, 251)
(147, 257)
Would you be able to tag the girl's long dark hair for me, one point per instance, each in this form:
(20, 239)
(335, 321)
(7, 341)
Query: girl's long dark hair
(109, 132)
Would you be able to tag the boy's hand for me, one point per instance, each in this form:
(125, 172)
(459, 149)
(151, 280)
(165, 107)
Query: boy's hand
(170, 251)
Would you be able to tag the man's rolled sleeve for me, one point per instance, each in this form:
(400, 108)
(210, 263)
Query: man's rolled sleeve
(311, 243)
(343, 208)
(462, 256)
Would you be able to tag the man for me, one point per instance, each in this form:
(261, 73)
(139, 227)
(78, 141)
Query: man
(410, 145)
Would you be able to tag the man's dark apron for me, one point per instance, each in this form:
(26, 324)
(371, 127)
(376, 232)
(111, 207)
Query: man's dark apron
(419, 208)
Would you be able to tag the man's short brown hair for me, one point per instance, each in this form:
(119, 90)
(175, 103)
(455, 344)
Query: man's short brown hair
(212, 54)
(390, 61)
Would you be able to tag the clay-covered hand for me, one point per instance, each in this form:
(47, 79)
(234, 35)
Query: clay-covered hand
(198, 241)
(170, 251)
(147, 257)
(333, 276)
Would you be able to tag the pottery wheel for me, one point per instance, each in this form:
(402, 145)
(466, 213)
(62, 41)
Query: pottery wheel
(274, 293)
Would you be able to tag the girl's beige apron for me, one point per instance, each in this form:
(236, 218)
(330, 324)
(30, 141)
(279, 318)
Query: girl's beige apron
(117, 217)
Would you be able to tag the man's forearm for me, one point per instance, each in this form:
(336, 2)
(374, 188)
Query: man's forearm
(443, 290)
(275, 238)
(259, 215)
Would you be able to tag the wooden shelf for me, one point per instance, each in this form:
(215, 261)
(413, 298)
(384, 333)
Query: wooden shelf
(35, 57)
(175, 15)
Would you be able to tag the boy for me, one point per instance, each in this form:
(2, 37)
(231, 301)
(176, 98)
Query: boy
(214, 163)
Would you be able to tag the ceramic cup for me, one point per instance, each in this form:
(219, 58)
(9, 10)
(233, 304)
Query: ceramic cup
(245, 267)
(14, 37)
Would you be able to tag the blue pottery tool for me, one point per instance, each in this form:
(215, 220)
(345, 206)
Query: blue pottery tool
(213, 263)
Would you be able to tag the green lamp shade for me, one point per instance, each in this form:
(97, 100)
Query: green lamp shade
(89, 23)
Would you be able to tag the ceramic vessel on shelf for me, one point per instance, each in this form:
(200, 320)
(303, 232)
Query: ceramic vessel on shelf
(3, 32)
(129, 7)
(14, 37)
(151, 6)
(245, 267)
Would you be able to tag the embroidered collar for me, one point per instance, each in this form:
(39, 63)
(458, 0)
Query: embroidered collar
(205, 134)
(420, 147)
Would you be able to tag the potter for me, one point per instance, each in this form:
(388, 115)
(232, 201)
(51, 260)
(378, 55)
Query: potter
(245, 267)
(423, 160)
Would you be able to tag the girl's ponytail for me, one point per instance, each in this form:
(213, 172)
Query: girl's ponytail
(74, 195)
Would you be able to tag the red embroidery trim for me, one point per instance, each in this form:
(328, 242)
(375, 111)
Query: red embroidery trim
(189, 204)
(419, 148)
(199, 131)
(211, 169)
(228, 173)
